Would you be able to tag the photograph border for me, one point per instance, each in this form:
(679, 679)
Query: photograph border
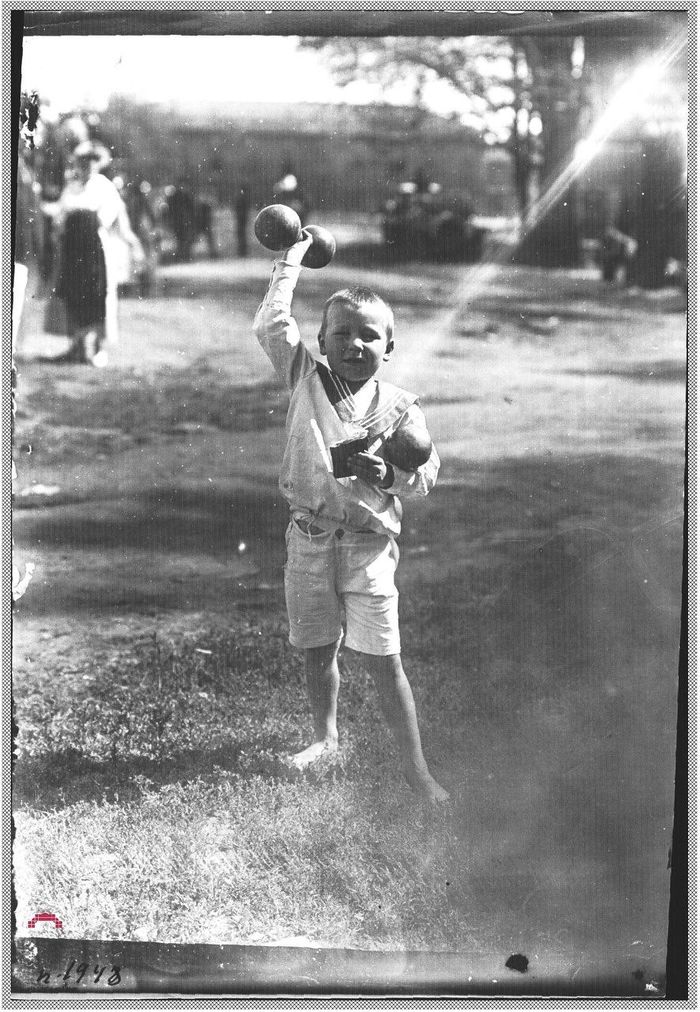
(687, 708)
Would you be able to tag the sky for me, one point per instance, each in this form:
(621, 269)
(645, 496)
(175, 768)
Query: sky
(71, 72)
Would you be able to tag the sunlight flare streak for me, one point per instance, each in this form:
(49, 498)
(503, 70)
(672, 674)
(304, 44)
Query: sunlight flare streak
(624, 103)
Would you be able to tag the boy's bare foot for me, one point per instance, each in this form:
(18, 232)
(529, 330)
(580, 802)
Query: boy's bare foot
(430, 791)
(318, 750)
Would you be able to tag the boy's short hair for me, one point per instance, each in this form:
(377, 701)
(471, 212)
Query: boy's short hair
(359, 295)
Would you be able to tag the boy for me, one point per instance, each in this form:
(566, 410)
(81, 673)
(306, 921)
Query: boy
(341, 549)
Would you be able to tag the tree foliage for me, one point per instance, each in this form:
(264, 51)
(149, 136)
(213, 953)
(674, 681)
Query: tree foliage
(477, 71)
(535, 94)
(519, 91)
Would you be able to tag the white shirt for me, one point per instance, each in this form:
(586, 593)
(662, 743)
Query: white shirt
(97, 194)
(314, 424)
(100, 195)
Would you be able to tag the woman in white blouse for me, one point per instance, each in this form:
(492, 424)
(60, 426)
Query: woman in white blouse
(93, 226)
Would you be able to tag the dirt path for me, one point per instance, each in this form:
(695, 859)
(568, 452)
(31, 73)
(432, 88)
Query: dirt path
(162, 514)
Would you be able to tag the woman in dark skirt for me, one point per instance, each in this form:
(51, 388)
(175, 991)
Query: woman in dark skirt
(93, 227)
(82, 283)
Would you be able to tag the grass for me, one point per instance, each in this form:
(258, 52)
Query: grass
(153, 806)
(199, 696)
(192, 830)
(252, 859)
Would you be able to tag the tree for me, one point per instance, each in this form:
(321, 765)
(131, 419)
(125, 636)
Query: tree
(476, 73)
(519, 91)
(654, 129)
(539, 94)
(554, 95)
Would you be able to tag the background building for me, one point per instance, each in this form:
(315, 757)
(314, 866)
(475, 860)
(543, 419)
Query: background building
(345, 157)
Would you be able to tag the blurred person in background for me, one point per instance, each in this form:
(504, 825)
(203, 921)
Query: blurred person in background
(618, 245)
(287, 191)
(181, 214)
(60, 138)
(204, 205)
(92, 228)
(241, 207)
(674, 221)
(136, 196)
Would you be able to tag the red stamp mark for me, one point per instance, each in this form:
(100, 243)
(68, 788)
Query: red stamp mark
(44, 917)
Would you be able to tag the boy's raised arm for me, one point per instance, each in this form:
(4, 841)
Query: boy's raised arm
(275, 327)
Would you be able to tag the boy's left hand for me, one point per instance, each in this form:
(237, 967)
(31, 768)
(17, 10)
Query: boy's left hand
(295, 254)
(369, 467)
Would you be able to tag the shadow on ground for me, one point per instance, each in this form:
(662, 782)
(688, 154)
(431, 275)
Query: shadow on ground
(180, 520)
(166, 548)
(171, 401)
(61, 779)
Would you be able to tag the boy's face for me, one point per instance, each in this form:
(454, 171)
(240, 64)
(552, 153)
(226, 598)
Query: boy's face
(355, 340)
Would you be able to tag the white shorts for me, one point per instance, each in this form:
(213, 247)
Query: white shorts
(341, 579)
